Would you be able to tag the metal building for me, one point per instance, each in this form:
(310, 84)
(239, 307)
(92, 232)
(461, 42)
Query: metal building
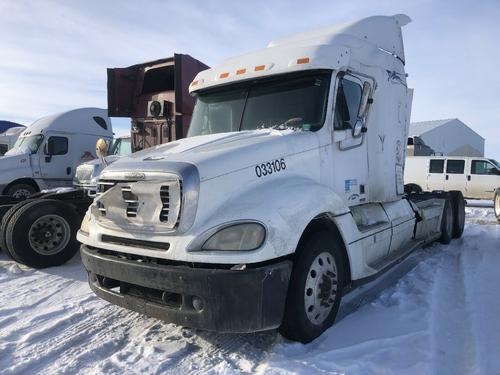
(449, 137)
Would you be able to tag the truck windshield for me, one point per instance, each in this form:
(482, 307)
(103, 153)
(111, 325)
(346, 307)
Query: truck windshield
(497, 164)
(26, 145)
(121, 147)
(290, 101)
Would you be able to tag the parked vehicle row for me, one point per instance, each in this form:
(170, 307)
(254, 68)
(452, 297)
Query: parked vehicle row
(51, 154)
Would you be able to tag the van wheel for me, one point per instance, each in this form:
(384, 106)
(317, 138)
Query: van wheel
(458, 207)
(412, 188)
(497, 204)
(447, 222)
(21, 191)
(42, 233)
(315, 288)
(3, 225)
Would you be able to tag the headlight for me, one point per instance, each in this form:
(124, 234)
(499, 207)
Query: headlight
(84, 228)
(248, 236)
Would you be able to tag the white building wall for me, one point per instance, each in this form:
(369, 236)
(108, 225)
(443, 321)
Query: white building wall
(454, 138)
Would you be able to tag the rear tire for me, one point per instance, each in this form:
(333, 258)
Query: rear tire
(315, 288)
(5, 221)
(3, 210)
(21, 191)
(496, 201)
(447, 222)
(458, 206)
(43, 233)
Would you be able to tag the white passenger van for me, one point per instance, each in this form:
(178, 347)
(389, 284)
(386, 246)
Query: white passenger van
(475, 177)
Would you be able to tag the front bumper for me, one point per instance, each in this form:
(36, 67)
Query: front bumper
(231, 300)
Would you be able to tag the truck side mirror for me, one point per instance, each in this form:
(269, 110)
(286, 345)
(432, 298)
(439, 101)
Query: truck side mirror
(48, 150)
(101, 150)
(359, 129)
(365, 101)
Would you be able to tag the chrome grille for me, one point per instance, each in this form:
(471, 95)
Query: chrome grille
(165, 200)
(170, 194)
(132, 201)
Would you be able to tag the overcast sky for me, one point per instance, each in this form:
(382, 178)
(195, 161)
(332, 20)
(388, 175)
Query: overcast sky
(54, 54)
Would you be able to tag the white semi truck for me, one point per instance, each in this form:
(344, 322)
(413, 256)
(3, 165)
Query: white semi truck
(9, 137)
(48, 151)
(287, 193)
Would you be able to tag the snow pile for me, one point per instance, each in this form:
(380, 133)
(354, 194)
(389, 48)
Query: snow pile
(436, 312)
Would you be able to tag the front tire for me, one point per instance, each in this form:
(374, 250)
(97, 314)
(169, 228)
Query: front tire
(21, 191)
(315, 288)
(43, 233)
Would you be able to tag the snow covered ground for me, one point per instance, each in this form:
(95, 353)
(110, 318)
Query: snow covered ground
(437, 312)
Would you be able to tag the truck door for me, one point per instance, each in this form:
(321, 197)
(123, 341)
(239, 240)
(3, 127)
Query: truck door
(455, 176)
(349, 143)
(56, 162)
(435, 175)
(483, 179)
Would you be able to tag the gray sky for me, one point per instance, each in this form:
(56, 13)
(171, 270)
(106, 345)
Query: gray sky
(54, 54)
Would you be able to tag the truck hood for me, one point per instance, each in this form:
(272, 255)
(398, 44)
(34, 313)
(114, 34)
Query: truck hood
(222, 153)
(14, 161)
(13, 165)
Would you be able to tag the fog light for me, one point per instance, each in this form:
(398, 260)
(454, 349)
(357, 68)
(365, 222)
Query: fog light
(197, 303)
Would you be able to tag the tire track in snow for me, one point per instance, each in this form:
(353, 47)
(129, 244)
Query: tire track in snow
(480, 264)
(452, 341)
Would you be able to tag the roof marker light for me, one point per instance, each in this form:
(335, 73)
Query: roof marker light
(224, 75)
(241, 71)
(303, 60)
(260, 67)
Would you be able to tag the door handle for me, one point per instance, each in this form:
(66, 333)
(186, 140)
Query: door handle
(68, 170)
(447, 177)
(468, 178)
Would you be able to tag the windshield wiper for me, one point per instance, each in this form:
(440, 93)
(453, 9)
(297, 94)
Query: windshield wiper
(293, 123)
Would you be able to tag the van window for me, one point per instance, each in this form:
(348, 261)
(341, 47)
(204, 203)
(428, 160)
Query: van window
(59, 145)
(436, 166)
(482, 167)
(455, 166)
(347, 104)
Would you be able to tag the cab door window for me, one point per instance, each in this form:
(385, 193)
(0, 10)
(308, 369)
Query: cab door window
(57, 146)
(483, 167)
(347, 104)
(455, 166)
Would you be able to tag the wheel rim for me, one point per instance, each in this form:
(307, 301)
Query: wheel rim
(497, 205)
(21, 194)
(49, 234)
(321, 288)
